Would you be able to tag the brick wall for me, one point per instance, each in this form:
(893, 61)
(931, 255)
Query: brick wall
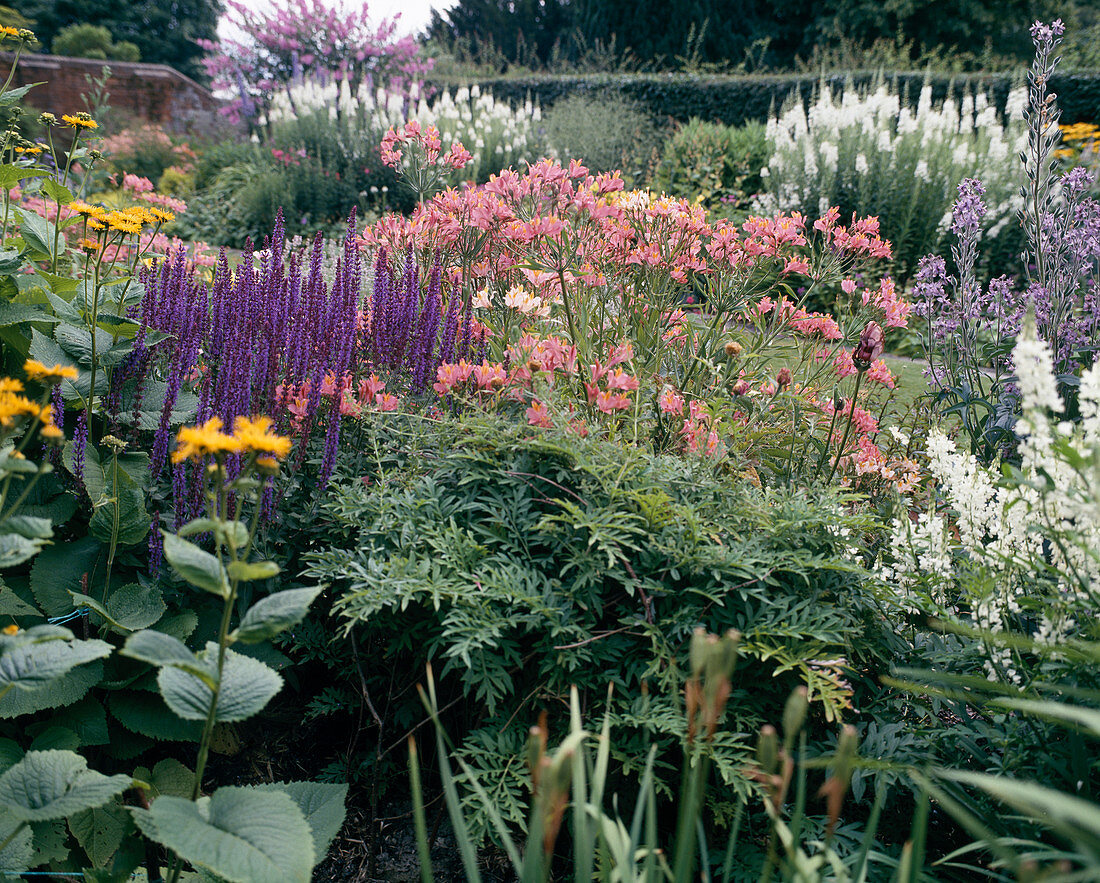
(153, 92)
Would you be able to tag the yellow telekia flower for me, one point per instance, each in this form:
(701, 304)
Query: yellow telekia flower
(198, 442)
(35, 370)
(12, 629)
(79, 121)
(256, 437)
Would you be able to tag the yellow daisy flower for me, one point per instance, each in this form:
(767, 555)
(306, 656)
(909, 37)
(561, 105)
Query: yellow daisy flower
(80, 121)
(256, 437)
(198, 442)
(36, 370)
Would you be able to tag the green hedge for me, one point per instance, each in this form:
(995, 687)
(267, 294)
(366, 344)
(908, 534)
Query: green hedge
(734, 100)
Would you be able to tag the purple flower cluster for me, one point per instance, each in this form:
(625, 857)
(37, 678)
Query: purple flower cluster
(259, 336)
(411, 333)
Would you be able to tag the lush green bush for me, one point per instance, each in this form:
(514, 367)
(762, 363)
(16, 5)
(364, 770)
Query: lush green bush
(522, 565)
(604, 134)
(86, 40)
(714, 164)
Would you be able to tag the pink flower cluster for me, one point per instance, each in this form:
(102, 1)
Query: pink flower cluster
(427, 140)
(368, 395)
(805, 323)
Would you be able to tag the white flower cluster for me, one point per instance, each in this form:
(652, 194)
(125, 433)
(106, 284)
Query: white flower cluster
(872, 150)
(496, 135)
(1034, 533)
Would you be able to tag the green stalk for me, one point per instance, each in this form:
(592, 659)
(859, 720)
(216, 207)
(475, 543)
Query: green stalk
(847, 428)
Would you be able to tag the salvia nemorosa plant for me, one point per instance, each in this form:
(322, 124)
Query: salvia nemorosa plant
(273, 336)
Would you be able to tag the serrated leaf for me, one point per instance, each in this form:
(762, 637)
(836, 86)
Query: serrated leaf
(197, 567)
(275, 614)
(100, 831)
(129, 608)
(33, 665)
(146, 714)
(12, 605)
(322, 804)
(247, 686)
(237, 531)
(159, 649)
(56, 191)
(133, 521)
(51, 841)
(15, 549)
(16, 314)
(29, 526)
(67, 689)
(11, 174)
(54, 784)
(10, 754)
(169, 776)
(16, 857)
(37, 232)
(58, 570)
(240, 834)
(59, 738)
(87, 719)
(76, 341)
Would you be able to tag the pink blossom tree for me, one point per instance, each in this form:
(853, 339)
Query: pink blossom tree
(289, 39)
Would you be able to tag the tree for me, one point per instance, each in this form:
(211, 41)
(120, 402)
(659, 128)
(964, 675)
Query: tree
(165, 31)
(93, 41)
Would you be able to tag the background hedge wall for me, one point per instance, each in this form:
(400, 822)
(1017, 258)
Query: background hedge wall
(734, 100)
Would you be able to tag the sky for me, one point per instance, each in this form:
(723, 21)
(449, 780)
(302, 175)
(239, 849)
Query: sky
(415, 14)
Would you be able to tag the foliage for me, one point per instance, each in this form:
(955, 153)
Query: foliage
(715, 165)
(701, 33)
(147, 151)
(605, 135)
(85, 40)
(164, 33)
(523, 565)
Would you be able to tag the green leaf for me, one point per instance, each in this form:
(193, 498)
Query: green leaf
(61, 738)
(34, 664)
(29, 526)
(17, 314)
(51, 841)
(100, 831)
(129, 608)
(237, 531)
(76, 341)
(56, 191)
(169, 776)
(249, 571)
(87, 719)
(159, 649)
(58, 570)
(247, 686)
(1076, 819)
(55, 784)
(15, 549)
(133, 519)
(37, 232)
(11, 174)
(12, 605)
(240, 834)
(199, 568)
(17, 855)
(67, 689)
(323, 806)
(146, 714)
(275, 614)
(10, 754)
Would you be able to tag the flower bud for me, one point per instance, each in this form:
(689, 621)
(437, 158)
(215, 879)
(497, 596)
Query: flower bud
(870, 346)
(794, 714)
(783, 378)
(733, 349)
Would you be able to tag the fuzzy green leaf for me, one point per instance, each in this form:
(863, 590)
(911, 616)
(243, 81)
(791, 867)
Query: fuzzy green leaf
(199, 568)
(247, 686)
(240, 834)
(55, 784)
(275, 614)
